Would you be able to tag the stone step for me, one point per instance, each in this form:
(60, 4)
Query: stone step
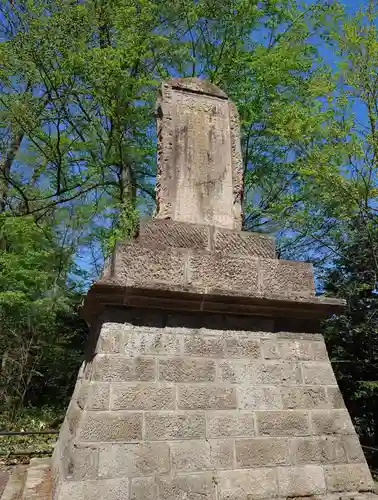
(38, 480)
(15, 484)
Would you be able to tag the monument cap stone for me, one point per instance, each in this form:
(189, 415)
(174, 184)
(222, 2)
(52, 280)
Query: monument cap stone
(200, 168)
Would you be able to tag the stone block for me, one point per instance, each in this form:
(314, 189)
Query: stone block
(160, 233)
(318, 373)
(175, 425)
(282, 423)
(284, 277)
(260, 452)
(111, 426)
(247, 484)
(186, 370)
(202, 455)
(270, 349)
(259, 398)
(322, 450)
(253, 372)
(80, 463)
(197, 181)
(230, 424)
(301, 481)
(143, 488)
(201, 345)
(206, 397)
(353, 449)
(295, 335)
(335, 397)
(240, 347)
(143, 397)
(73, 416)
(223, 272)
(278, 373)
(109, 339)
(111, 489)
(134, 263)
(141, 343)
(331, 422)
(108, 368)
(238, 371)
(302, 350)
(94, 396)
(244, 243)
(198, 486)
(348, 477)
(304, 397)
(139, 459)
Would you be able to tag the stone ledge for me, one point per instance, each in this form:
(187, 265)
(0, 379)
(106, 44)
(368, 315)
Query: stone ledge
(196, 85)
(179, 298)
(162, 233)
(207, 272)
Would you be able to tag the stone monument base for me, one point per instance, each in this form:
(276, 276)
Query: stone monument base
(200, 406)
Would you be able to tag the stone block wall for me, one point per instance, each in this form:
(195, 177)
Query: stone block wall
(207, 408)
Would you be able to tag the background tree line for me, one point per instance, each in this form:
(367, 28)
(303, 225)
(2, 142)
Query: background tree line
(78, 83)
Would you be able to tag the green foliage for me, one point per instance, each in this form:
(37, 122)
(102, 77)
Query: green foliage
(38, 418)
(41, 336)
(352, 337)
(96, 90)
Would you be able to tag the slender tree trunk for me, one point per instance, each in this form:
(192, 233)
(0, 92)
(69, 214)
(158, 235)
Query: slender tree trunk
(6, 167)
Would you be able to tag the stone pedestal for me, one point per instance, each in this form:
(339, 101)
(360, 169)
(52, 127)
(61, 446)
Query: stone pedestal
(205, 377)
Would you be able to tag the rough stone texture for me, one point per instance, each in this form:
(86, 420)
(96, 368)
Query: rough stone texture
(304, 397)
(111, 426)
(331, 422)
(107, 368)
(187, 487)
(204, 376)
(320, 450)
(114, 489)
(183, 270)
(174, 425)
(241, 484)
(143, 397)
(141, 459)
(259, 398)
(260, 452)
(162, 233)
(200, 171)
(351, 477)
(186, 370)
(282, 423)
(143, 488)
(301, 481)
(230, 424)
(202, 455)
(185, 407)
(208, 397)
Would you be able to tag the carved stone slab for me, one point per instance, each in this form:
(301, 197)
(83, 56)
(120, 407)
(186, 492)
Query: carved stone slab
(200, 170)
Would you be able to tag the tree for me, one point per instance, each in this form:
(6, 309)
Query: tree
(352, 337)
(339, 182)
(90, 95)
(39, 322)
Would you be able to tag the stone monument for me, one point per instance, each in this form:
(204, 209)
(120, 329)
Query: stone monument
(205, 377)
